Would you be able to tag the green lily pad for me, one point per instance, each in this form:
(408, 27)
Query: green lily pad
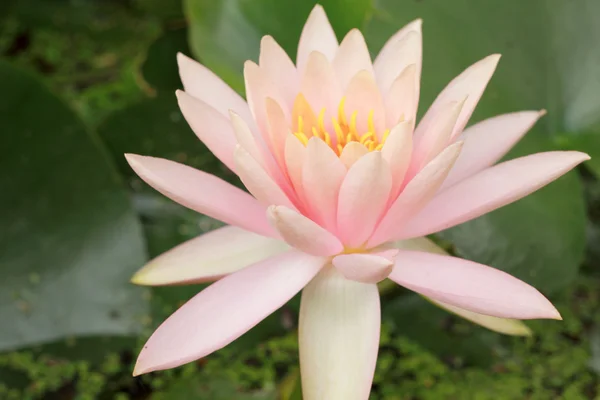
(70, 239)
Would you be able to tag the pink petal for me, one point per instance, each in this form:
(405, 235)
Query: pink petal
(401, 50)
(322, 175)
(363, 97)
(470, 85)
(488, 141)
(320, 86)
(226, 310)
(338, 337)
(469, 285)
(257, 180)
(415, 195)
(202, 192)
(278, 65)
(295, 158)
(277, 132)
(363, 196)
(259, 87)
(302, 233)
(364, 267)
(211, 127)
(401, 101)
(352, 57)
(317, 35)
(208, 257)
(490, 189)
(397, 151)
(437, 135)
(201, 83)
(352, 152)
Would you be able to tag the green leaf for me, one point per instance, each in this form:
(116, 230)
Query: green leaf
(70, 239)
(160, 68)
(224, 34)
(549, 61)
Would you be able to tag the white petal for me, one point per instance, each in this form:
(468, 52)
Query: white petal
(364, 267)
(317, 35)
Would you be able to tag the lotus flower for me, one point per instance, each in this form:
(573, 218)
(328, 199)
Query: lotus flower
(343, 189)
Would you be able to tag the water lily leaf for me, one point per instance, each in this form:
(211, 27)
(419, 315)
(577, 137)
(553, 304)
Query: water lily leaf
(549, 61)
(70, 239)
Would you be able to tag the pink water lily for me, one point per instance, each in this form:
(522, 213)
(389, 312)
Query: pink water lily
(343, 188)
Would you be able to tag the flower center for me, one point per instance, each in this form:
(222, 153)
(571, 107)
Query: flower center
(341, 131)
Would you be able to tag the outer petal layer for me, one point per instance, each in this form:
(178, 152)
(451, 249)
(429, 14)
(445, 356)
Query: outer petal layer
(225, 310)
(490, 189)
(471, 286)
(202, 192)
(339, 337)
(208, 257)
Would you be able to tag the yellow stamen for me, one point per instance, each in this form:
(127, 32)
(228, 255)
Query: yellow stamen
(302, 137)
(371, 122)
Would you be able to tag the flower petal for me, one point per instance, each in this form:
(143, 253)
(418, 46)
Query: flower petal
(338, 337)
(257, 180)
(401, 50)
(362, 267)
(363, 196)
(208, 257)
(317, 35)
(278, 65)
(401, 101)
(490, 189)
(259, 87)
(295, 157)
(320, 85)
(488, 141)
(211, 127)
(506, 326)
(404, 52)
(352, 56)
(352, 152)
(363, 97)
(277, 132)
(303, 233)
(470, 84)
(397, 151)
(471, 286)
(226, 309)
(202, 192)
(415, 195)
(201, 83)
(322, 177)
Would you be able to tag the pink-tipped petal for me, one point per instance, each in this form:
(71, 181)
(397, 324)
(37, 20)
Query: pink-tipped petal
(352, 152)
(363, 196)
(302, 233)
(322, 176)
(320, 85)
(490, 189)
(208, 257)
(202, 192)
(471, 286)
(437, 135)
(363, 97)
(362, 267)
(317, 35)
(397, 151)
(211, 127)
(401, 101)
(338, 337)
(278, 65)
(398, 55)
(226, 310)
(488, 141)
(470, 85)
(352, 56)
(505, 326)
(415, 195)
(257, 180)
(259, 87)
(402, 49)
(201, 83)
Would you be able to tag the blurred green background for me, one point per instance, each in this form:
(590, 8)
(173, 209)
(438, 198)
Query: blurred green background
(84, 81)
